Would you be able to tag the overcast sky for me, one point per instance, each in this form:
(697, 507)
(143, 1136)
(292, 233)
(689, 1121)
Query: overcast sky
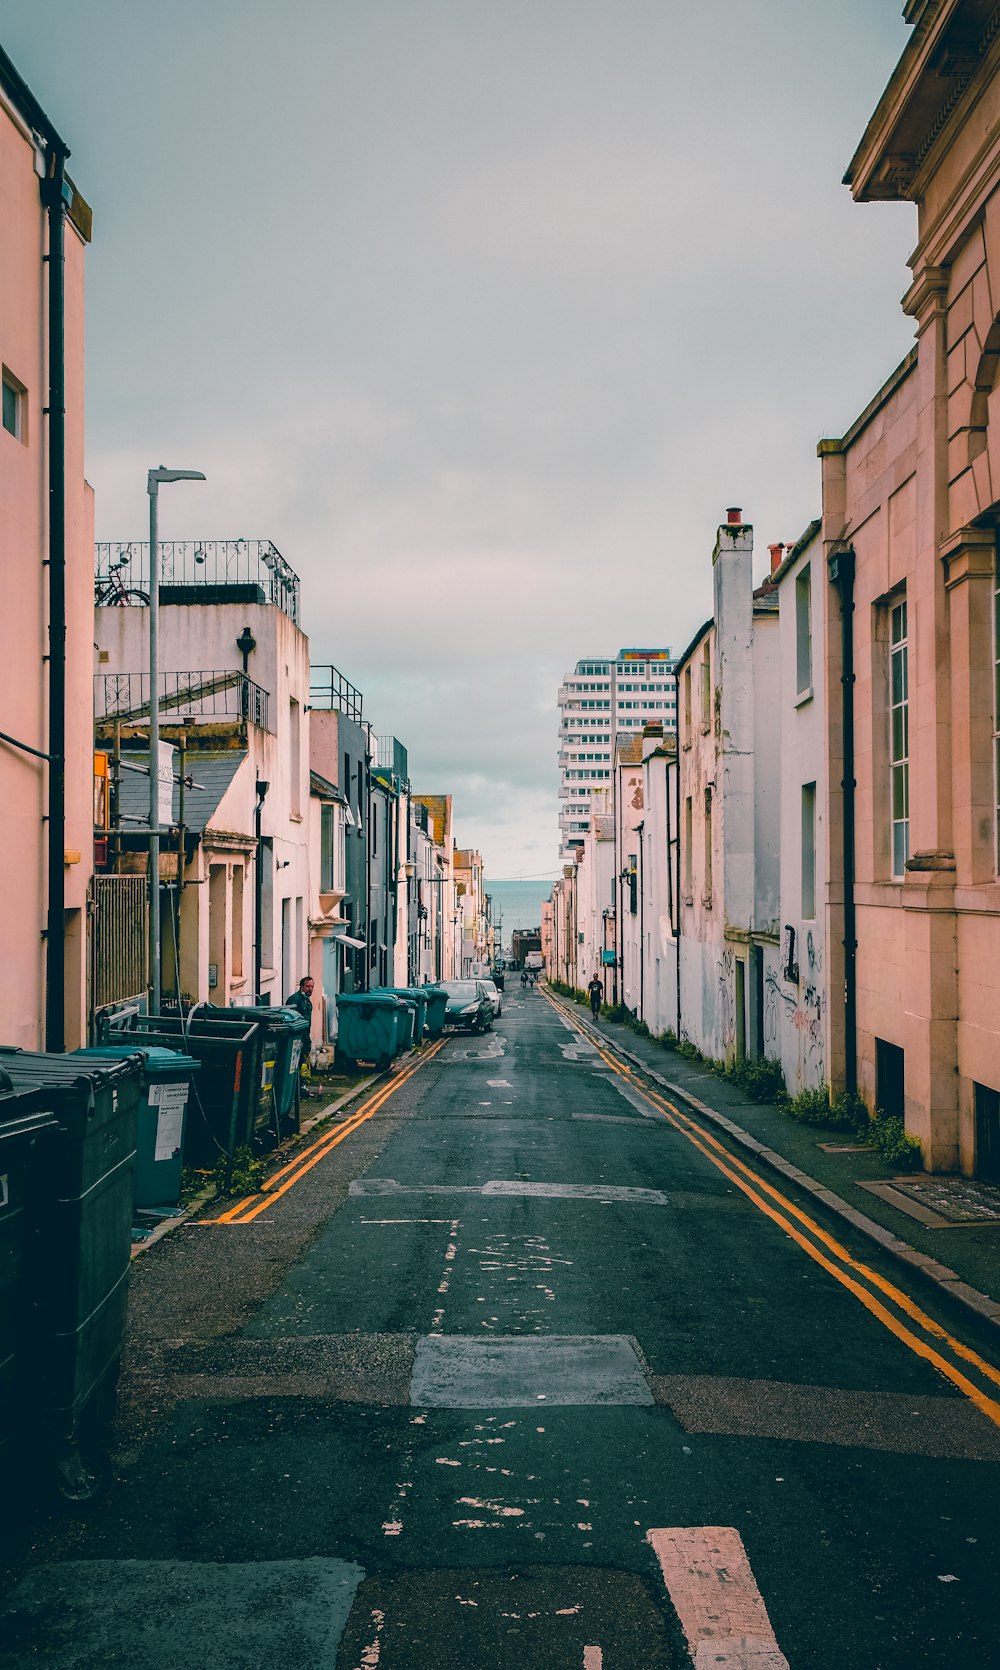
(483, 311)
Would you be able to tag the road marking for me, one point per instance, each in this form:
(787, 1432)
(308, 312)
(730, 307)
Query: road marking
(716, 1597)
(755, 1187)
(245, 1211)
(593, 1658)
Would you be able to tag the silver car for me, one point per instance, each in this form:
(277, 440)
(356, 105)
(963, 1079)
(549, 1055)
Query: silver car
(493, 992)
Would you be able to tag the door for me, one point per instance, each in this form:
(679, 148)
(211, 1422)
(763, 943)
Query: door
(741, 1009)
(988, 1133)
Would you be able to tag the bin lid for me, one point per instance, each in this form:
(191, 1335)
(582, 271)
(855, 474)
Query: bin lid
(31, 1069)
(378, 1000)
(270, 1017)
(23, 1114)
(158, 1061)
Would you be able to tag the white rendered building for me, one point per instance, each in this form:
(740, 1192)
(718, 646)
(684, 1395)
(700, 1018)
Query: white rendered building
(598, 702)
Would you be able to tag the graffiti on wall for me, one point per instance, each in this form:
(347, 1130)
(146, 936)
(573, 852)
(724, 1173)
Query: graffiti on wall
(805, 1011)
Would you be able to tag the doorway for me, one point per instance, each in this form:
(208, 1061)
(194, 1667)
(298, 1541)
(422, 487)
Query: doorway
(741, 1009)
(987, 1133)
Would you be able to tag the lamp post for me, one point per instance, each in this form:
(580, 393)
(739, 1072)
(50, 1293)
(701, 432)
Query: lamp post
(153, 480)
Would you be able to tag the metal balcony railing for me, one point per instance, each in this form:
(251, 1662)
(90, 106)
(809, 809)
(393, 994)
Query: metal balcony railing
(216, 694)
(196, 571)
(329, 689)
(392, 761)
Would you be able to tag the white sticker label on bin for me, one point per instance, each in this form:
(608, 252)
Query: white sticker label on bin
(170, 1100)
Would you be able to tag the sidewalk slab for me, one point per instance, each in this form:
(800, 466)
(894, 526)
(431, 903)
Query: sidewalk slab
(962, 1260)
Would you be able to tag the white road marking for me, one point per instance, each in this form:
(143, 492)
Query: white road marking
(715, 1594)
(593, 1658)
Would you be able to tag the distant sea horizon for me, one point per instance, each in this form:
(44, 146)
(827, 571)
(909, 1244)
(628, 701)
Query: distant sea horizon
(519, 903)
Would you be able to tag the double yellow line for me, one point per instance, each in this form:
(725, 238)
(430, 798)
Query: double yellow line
(245, 1211)
(822, 1248)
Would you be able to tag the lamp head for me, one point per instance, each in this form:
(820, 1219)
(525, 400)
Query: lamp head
(154, 477)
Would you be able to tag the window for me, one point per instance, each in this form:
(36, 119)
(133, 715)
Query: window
(295, 758)
(687, 705)
(706, 689)
(889, 1079)
(899, 737)
(708, 847)
(327, 838)
(13, 405)
(803, 632)
(688, 844)
(809, 850)
(237, 935)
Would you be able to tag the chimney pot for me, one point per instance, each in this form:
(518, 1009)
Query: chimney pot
(734, 516)
(777, 552)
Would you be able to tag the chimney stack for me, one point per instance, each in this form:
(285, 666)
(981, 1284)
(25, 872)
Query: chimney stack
(777, 553)
(734, 517)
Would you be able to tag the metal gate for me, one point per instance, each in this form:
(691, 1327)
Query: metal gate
(119, 940)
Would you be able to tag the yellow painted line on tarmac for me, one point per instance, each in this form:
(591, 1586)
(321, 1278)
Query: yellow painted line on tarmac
(753, 1186)
(245, 1211)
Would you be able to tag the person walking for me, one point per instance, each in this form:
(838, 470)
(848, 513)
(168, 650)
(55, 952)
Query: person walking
(595, 991)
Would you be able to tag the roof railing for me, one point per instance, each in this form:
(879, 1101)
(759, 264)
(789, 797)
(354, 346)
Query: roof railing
(216, 693)
(331, 691)
(196, 571)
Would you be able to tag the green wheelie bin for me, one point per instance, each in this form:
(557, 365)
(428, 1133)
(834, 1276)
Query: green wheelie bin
(166, 1084)
(284, 1046)
(26, 1133)
(371, 1026)
(437, 1003)
(80, 1291)
(412, 994)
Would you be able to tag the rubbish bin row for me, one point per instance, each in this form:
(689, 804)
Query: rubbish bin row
(377, 1026)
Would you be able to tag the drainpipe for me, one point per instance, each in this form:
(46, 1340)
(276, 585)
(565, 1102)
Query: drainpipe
(53, 188)
(258, 879)
(677, 841)
(842, 566)
(642, 924)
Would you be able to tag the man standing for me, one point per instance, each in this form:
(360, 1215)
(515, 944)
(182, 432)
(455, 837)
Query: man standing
(595, 991)
(302, 1000)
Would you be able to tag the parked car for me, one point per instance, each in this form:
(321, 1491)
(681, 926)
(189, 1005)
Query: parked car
(469, 1005)
(493, 993)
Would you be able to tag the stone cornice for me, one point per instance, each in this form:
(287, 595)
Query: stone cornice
(939, 64)
(969, 554)
(927, 297)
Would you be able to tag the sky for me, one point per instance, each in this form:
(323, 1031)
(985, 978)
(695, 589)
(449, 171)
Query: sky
(483, 311)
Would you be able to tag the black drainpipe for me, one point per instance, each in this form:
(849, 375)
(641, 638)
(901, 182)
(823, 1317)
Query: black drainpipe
(677, 838)
(55, 940)
(842, 566)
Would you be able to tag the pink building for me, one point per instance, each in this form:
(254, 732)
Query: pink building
(911, 503)
(46, 547)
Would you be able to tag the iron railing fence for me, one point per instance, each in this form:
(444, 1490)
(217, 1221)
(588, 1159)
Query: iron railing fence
(329, 689)
(218, 693)
(196, 571)
(119, 939)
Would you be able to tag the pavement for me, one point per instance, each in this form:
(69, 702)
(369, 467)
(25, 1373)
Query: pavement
(946, 1227)
(526, 1362)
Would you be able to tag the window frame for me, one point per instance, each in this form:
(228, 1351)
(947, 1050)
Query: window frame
(899, 734)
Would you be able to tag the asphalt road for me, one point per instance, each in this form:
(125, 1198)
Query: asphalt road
(528, 1370)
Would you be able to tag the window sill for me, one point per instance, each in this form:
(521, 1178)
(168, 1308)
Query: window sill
(295, 817)
(803, 697)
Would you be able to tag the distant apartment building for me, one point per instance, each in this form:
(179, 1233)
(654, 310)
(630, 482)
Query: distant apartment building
(598, 702)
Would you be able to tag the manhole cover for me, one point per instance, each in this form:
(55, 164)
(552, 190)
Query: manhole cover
(960, 1199)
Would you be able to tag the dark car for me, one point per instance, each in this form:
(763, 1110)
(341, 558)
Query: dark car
(469, 1006)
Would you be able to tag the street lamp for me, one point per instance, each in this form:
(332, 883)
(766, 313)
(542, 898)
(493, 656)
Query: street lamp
(153, 480)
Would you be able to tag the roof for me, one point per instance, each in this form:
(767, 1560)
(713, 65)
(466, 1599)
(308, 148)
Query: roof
(686, 654)
(211, 774)
(324, 789)
(439, 812)
(630, 750)
(795, 551)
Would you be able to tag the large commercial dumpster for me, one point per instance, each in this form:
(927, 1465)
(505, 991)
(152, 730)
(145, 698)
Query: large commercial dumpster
(284, 1043)
(224, 1106)
(437, 1003)
(84, 1251)
(163, 1106)
(371, 1026)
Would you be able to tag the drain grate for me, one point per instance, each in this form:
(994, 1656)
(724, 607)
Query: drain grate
(959, 1199)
